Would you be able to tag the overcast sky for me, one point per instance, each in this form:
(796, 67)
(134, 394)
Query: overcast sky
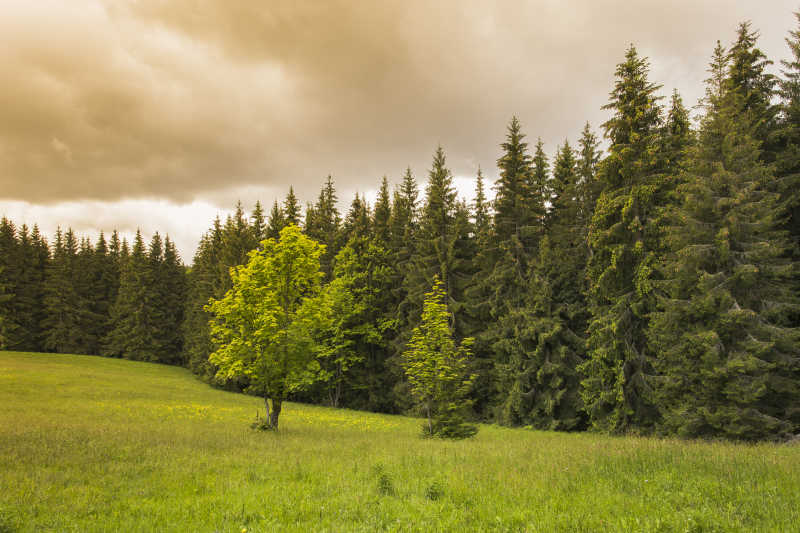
(163, 113)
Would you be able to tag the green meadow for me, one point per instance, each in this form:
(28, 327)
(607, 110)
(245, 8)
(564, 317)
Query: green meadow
(96, 444)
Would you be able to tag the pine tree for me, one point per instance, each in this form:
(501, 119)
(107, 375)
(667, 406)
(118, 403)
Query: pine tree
(64, 308)
(382, 215)
(9, 280)
(277, 221)
(357, 223)
(729, 367)
(172, 289)
(132, 336)
(435, 236)
(589, 187)
(539, 183)
(517, 209)
(237, 241)
(84, 279)
(477, 296)
(358, 328)
(5, 297)
(28, 304)
(323, 224)
(748, 76)
(677, 137)
(787, 141)
(518, 225)
(258, 224)
(203, 283)
(291, 209)
(404, 228)
(624, 245)
(543, 383)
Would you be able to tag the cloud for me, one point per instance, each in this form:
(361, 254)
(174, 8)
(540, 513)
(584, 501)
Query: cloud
(187, 101)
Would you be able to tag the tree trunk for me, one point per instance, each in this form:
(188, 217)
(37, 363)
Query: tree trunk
(266, 405)
(276, 411)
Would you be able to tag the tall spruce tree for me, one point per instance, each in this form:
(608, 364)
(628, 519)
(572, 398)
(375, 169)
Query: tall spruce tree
(258, 224)
(729, 366)
(203, 283)
(589, 187)
(63, 304)
(357, 330)
(291, 209)
(381, 218)
(624, 243)
(325, 226)
(748, 76)
(358, 222)
(539, 182)
(277, 221)
(540, 377)
(9, 280)
(519, 213)
(404, 227)
(171, 290)
(28, 305)
(787, 141)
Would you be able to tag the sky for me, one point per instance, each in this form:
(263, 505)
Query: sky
(162, 114)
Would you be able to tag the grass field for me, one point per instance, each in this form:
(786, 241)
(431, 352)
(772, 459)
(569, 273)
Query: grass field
(94, 444)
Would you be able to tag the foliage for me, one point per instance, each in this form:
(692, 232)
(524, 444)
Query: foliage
(261, 326)
(624, 243)
(436, 369)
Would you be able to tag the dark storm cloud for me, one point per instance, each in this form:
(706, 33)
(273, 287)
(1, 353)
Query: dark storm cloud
(188, 99)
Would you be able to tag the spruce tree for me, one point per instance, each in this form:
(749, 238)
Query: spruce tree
(237, 241)
(323, 224)
(787, 141)
(28, 307)
(589, 187)
(404, 227)
(435, 237)
(132, 336)
(258, 224)
(357, 223)
(291, 209)
(728, 365)
(382, 215)
(748, 76)
(172, 289)
(358, 328)
(203, 283)
(477, 296)
(519, 213)
(539, 182)
(9, 280)
(545, 390)
(63, 305)
(625, 244)
(277, 221)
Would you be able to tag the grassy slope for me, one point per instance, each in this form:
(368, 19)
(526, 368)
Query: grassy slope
(93, 444)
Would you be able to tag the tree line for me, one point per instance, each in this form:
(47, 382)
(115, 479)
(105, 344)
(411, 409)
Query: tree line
(648, 288)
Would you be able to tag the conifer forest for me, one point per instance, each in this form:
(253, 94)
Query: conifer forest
(641, 278)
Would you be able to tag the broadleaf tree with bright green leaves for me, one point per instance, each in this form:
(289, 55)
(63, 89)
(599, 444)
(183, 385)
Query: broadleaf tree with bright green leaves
(262, 325)
(437, 370)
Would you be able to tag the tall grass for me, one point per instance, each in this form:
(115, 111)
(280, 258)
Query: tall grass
(95, 444)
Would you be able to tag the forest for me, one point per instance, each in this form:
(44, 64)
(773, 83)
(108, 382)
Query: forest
(645, 285)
